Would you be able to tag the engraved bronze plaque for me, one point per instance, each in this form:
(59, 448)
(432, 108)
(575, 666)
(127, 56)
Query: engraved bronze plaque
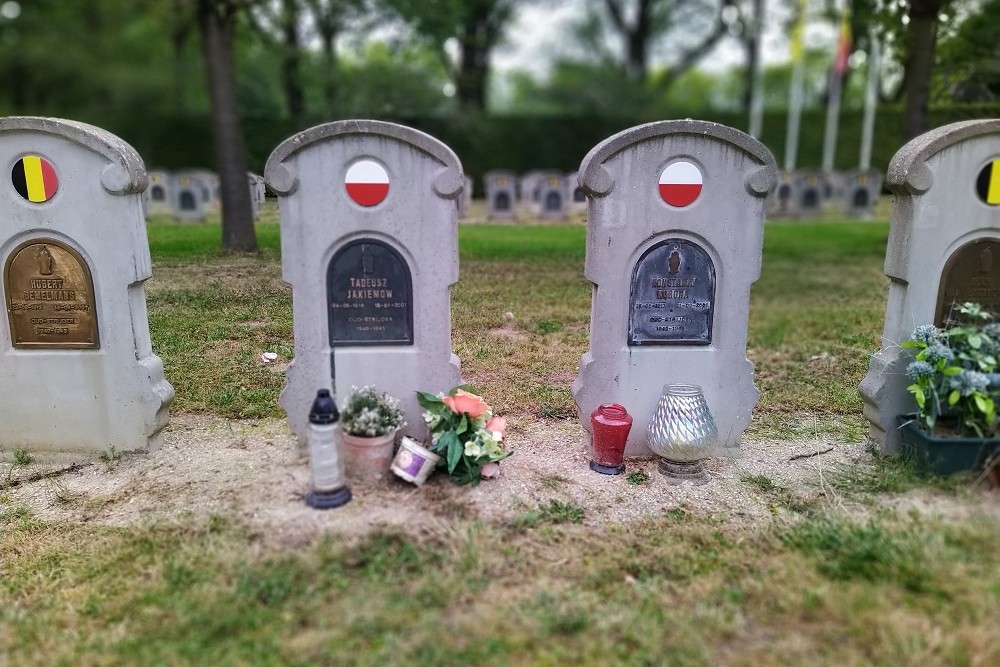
(50, 297)
(673, 295)
(370, 295)
(972, 273)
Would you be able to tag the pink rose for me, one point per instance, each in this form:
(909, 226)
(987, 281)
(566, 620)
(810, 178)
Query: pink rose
(465, 402)
(490, 471)
(497, 424)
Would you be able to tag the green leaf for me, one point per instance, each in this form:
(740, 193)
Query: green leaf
(463, 424)
(953, 397)
(455, 449)
(918, 394)
(980, 401)
(912, 344)
(952, 370)
(975, 341)
(428, 401)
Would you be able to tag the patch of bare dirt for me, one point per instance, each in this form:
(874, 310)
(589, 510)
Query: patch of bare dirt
(255, 471)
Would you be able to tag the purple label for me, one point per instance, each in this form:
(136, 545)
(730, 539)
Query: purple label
(410, 462)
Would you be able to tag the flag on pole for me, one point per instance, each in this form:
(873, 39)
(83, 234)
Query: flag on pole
(843, 43)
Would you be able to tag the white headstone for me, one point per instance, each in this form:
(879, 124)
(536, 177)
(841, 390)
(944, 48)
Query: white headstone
(861, 192)
(77, 371)
(158, 195)
(188, 197)
(369, 244)
(674, 236)
(553, 200)
(501, 195)
(944, 247)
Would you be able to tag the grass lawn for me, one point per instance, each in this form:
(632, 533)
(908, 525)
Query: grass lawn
(852, 579)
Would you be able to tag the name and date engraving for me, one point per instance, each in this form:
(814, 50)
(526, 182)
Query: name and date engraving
(50, 297)
(370, 296)
(972, 273)
(672, 295)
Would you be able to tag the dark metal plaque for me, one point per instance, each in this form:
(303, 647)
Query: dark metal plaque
(972, 273)
(370, 294)
(50, 297)
(673, 296)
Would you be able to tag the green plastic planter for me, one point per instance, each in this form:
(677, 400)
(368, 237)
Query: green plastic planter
(944, 456)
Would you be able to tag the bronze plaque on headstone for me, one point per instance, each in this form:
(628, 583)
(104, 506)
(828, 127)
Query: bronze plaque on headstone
(50, 297)
(370, 295)
(673, 295)
(972, 273)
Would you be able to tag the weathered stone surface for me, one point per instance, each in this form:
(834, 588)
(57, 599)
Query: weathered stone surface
(936, 214)
(79, 376)
(409, 223)
(716, 230)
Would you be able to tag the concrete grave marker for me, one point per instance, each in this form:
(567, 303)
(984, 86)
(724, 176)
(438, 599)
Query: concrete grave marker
(782, 202)
(944, 247)
(501, 195)
(674, 238)
(77, 371)
(257, 192)
(158, 195)
(552, 196)
(861, 192)
(810, 191)
(369, 240)
(188, 202)
(465, 198)
(578, 197)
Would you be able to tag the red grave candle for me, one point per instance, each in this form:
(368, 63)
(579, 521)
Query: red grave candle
(610, 424)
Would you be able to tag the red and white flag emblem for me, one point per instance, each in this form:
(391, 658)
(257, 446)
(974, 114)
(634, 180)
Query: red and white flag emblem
(680, 183)
(367, 182)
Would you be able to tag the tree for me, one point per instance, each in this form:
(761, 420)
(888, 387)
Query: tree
(476, 25)
(642, 23)
(968, 60)
(217, 24)
(331, 18)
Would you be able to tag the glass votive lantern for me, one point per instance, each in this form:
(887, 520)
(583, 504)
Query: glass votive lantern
(682, 433)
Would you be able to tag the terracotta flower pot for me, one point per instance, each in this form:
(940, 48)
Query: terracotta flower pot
(366, 458)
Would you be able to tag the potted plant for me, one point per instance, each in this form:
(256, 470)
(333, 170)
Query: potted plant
(955, 382)
(465, 433)
(369, 421)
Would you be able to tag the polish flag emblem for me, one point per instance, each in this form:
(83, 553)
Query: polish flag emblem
(680, 183)
(367, 182)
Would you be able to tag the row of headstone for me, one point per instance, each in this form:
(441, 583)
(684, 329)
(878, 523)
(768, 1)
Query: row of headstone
(370, 289)
(806, 193)
(191, 194)
(549, 195)
(674, 238)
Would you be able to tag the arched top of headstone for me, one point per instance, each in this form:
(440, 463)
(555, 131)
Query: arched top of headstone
(596, 180)
(125, 175)
(908, 173)
(283, 181)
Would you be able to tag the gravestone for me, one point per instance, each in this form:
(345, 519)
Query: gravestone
(809, 189)
(553, 201)
(944, 243)
(77, 371)
(783, 203)
(465, 198)
(529, 192)
(577, 197)
(501, 195)
(188, 201)
(158, 195)
(369, 245)
(674, 236)
(861, 192)
(210, 187)
(257, 190)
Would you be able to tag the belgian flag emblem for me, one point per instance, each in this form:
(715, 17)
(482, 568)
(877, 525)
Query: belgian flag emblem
(34, 179)
(988, 183)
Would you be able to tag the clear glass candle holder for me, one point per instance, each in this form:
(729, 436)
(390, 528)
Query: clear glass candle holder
(682, 433)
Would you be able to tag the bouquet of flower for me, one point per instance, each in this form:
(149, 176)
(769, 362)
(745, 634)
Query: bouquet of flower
(956, 373)
(464, 432)
(368, 412)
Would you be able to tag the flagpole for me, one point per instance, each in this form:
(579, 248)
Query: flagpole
(837, 72)
(795, 93)
(757, 85)
(871, 101)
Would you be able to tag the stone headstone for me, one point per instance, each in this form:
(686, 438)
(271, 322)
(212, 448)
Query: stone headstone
(77, 371)
(501, 194)
(210, 187)
(577, 195)
(861, 192)
(553, 196)
(810, 192)
(369, 245)
(944, 238)
(674, 236)
(782, 203)
(465, 198)
(188, 199)
(529, 192)
(158, 195)
(257, 190)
